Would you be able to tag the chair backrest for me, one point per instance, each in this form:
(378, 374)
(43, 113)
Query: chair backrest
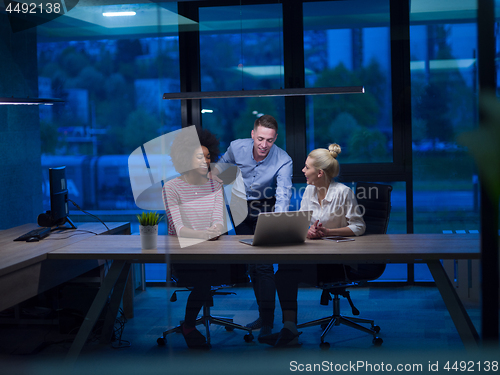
(375, 200)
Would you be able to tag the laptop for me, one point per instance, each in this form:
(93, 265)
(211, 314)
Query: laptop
(276, 228)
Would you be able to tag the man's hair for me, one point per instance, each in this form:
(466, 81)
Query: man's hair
(266, 121)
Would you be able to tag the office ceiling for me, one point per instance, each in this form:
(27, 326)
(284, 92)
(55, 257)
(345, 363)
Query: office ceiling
(86, 20)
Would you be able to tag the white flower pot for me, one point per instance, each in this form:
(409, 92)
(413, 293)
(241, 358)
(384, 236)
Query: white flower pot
(149, 236)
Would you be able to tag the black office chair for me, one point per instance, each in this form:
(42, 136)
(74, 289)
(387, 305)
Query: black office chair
(226, 273)
(376, 201)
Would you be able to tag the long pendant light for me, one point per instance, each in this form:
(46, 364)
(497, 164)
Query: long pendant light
(261, 93)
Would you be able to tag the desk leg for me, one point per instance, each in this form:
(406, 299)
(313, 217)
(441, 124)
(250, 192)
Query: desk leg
(114, 304)
(465, 328)
(118, 271)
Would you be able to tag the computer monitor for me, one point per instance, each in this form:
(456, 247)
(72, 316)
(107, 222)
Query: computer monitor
(59, 197)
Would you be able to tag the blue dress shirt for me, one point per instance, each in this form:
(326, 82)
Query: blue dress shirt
(271, 177)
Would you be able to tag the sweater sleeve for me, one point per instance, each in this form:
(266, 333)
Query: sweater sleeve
(218, 214)
(171, 200)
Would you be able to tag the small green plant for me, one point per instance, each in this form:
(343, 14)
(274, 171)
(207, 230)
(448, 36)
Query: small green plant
(149, 218)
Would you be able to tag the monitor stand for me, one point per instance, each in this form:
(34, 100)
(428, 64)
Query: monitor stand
(69, 221)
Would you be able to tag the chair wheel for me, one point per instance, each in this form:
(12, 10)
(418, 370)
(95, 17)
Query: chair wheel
(377, 341)
(248, 337)
(161, 341)
(376, 329)
(229, 329)
(324, 345)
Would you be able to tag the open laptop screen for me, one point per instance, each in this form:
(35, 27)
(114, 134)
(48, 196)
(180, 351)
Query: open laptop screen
(275, 228)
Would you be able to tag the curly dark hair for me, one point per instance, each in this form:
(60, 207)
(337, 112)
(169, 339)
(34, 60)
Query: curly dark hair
(210, 141)
(185, 144)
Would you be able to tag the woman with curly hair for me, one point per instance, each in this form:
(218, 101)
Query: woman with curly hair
(194, 203)
(194, 209)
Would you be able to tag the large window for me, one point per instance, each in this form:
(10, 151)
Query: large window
(347, 43)
(111, 72)
(444, 104)
(241, 48)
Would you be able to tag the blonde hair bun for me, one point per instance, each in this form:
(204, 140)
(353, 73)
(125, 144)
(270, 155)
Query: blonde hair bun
(334, 149)
(326, 160)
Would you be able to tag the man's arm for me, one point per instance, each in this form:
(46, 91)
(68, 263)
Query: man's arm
(284, 187)
(224, 163)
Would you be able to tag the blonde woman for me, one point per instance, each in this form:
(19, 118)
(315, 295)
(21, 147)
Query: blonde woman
(333, 204)
(334, 212)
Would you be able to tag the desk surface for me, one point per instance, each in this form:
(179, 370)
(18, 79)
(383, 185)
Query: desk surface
(15, 255)
(385, 248)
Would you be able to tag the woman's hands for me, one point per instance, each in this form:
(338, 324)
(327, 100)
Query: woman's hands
(213, 233)
(317, 230)
(210, 234)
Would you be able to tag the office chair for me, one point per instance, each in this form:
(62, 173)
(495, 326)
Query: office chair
(234, 273)
(376, 200)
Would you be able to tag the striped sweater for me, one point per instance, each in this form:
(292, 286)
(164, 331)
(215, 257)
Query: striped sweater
(194, 206)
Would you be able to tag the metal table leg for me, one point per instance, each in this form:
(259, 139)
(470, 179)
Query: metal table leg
(459, 315)
(117, 275)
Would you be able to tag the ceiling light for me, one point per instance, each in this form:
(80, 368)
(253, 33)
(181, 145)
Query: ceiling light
(261, 93)
(118, 14)
(29, 101)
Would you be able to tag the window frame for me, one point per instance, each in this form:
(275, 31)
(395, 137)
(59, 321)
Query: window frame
(400, 169)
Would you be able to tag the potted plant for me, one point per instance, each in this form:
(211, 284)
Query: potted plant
(148, 229)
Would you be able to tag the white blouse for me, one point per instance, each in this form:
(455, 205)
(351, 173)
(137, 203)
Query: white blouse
(339, 208)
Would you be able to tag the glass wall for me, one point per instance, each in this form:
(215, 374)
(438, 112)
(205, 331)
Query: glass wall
(111, 72)
(347, 43)
(444, 104)
(241, 48)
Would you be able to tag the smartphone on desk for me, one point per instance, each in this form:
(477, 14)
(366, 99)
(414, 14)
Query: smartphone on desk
(338, 238)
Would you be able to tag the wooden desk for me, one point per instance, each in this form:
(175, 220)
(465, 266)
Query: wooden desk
(387, 248)
(24, 269)
(397, 248)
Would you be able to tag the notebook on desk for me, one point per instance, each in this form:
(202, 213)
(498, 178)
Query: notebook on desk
(275, 228)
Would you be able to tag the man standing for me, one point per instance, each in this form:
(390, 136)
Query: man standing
(263, 184)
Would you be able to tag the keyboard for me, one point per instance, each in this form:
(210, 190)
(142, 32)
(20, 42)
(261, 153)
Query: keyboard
(36, 233)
